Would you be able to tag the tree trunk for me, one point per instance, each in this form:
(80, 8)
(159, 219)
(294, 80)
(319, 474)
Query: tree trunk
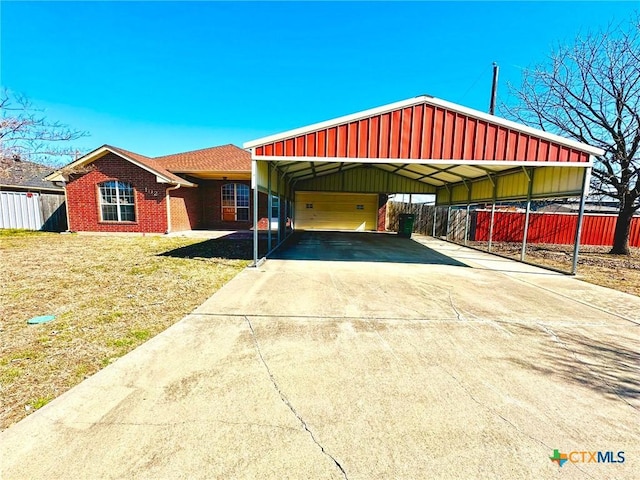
(621, 234)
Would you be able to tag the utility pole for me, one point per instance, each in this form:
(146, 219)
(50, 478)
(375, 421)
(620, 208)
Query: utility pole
(494, 90)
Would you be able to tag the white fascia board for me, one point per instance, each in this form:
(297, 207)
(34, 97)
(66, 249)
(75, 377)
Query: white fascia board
(216, 172)
(435, 102)
(254, 174)
(414, 161)
(511, 125)
(333, 122)
(161, 179)
(100, 152)
(90, 157)
(55, 177)
(27, 188)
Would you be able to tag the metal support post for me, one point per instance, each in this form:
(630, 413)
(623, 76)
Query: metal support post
(280, 187)
(526, 217)
(526, 230)
(435, 218)
(583, 199)
(254, 184)
(466, 226)
(269, 207)
(494, 183)
(493, 212)
(446, 234)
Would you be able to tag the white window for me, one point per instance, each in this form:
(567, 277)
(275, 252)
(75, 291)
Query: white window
(235, 202)
(117, 202)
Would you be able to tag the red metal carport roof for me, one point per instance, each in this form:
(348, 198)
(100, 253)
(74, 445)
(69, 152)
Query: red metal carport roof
(423, 138)
(423, 128)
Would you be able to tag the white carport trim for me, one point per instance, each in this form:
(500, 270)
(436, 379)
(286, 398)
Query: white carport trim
(415, 161)
(437, 103)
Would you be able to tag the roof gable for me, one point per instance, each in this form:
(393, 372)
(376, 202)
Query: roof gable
(146, 163)
(223, 159)
(422, 128)
(151, 165)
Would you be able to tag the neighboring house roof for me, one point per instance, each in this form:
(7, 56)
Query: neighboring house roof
(225, 158)
(22, 174)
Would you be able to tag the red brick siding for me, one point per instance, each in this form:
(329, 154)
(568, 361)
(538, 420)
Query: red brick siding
(211, 195)
(186, 209)
(84, 209)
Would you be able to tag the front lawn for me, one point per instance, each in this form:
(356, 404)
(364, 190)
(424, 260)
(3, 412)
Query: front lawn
(109, 294)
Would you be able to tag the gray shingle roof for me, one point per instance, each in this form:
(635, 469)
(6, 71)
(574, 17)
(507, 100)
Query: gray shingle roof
(20, 173)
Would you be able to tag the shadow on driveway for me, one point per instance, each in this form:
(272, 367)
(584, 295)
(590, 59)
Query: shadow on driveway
(359, 247)
(235, 246)
(606, 365)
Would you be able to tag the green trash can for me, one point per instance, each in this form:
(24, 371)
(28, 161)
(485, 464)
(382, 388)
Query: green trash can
(405, 224)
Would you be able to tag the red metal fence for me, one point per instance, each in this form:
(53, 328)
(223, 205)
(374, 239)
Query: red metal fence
(558, 228)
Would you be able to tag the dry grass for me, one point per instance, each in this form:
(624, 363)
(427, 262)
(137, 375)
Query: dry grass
(109, 295)
(595, 265)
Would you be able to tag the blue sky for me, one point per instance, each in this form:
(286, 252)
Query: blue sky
(164, 77)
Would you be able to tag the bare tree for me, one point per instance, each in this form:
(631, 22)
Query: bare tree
(590, 91)
(27, 133)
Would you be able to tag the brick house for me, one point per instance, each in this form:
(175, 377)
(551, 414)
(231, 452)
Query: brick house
(114, 190)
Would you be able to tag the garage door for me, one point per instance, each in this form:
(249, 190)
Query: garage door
(336, 211)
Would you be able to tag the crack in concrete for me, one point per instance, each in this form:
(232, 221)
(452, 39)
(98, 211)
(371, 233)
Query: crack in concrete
(564, 345)
(476, 319)
(458, 314)
(166, 424)
(286, 401)
(462, 317)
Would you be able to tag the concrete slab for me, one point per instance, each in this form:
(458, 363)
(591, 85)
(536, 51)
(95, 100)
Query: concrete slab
(360, 247)
(468, 367)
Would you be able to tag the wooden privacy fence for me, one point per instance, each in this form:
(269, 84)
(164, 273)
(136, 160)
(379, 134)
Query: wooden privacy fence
(553, 228)
(424, 219)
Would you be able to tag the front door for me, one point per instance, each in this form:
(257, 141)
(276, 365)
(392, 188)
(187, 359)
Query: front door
(228, 214)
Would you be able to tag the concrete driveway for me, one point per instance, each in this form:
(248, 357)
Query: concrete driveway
(464, 365)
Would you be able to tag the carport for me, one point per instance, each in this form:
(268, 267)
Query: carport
(421, 145)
